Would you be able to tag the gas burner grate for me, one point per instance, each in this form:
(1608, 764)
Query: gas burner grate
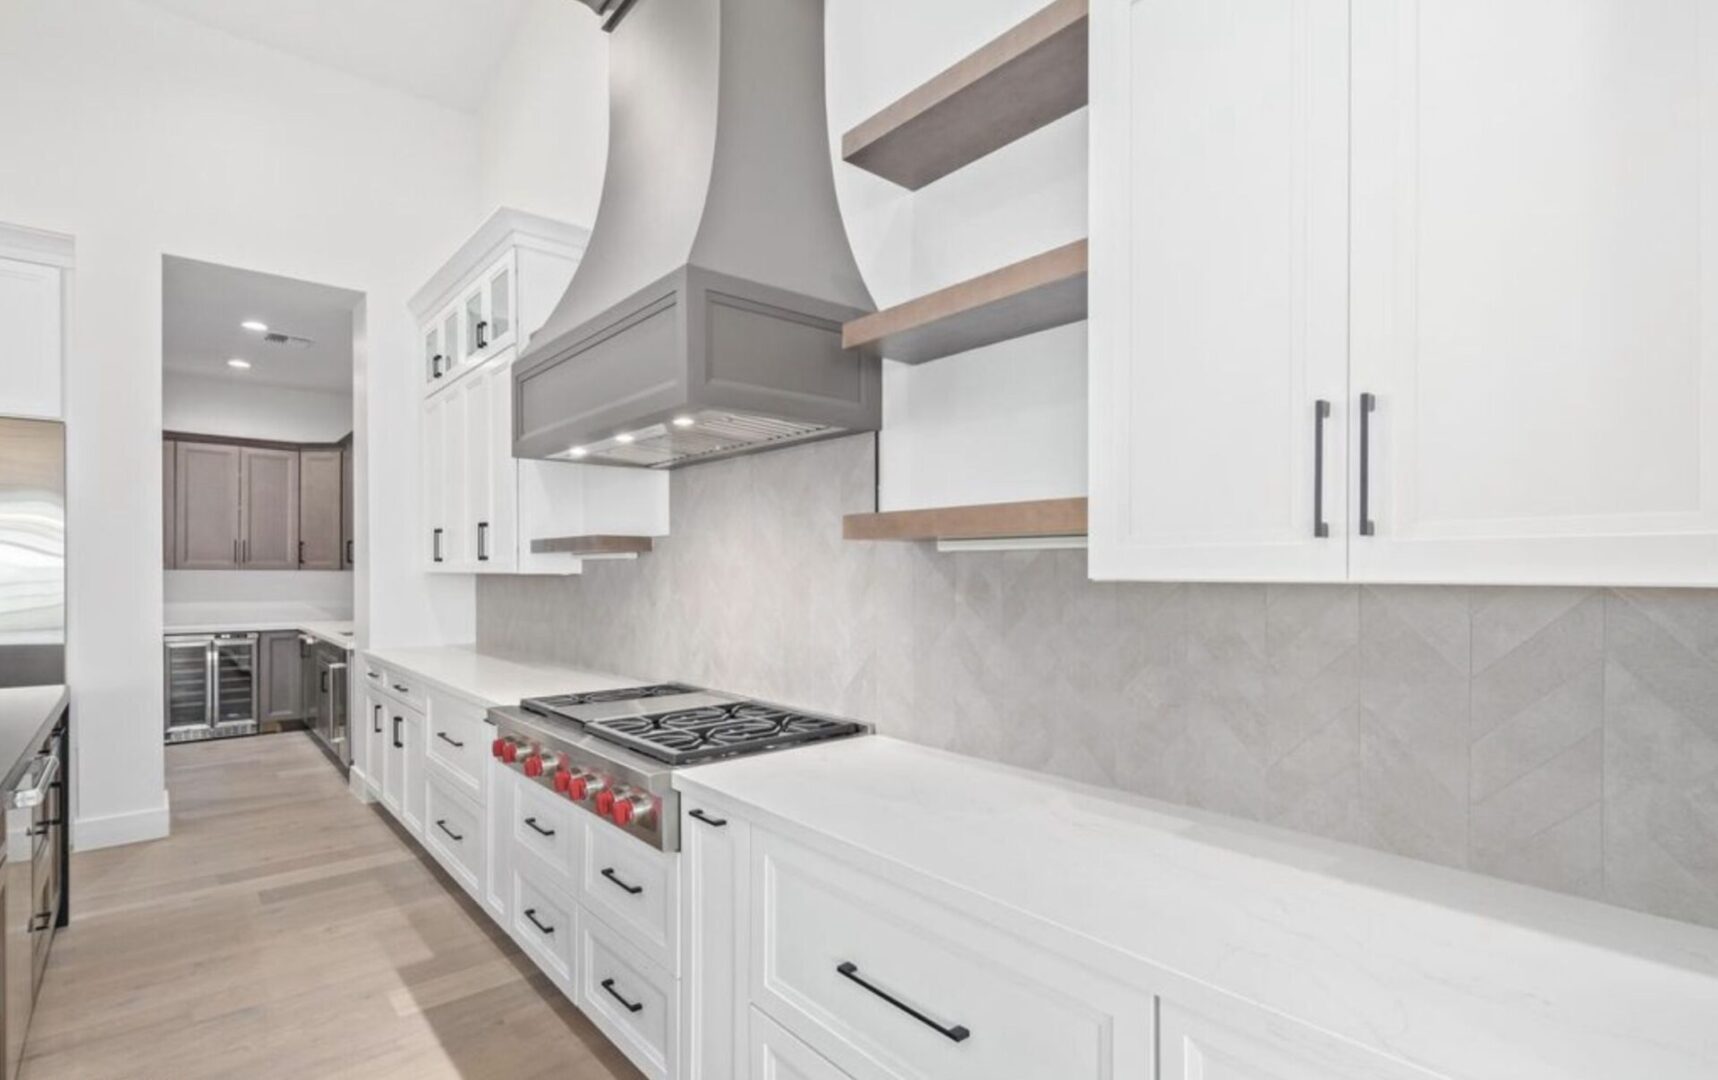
(688, 736)
(554, 705)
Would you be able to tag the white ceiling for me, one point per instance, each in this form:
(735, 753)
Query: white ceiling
(443, 50)
(202, 305)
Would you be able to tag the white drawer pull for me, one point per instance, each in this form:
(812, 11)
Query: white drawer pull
(957, 1033)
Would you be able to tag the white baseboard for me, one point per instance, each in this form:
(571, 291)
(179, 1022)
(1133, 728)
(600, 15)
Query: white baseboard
(92, 833)
(361, 786)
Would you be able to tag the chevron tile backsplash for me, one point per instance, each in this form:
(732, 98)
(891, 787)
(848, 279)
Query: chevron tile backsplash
(1566, 738)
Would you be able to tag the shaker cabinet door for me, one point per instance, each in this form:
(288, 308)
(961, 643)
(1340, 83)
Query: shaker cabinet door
(1535, 216)
(1219, 289)
(206, 506)
(319, 508)
(269, 509)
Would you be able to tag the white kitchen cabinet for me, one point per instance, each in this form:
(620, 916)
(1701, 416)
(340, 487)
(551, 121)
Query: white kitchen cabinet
(1513, 331)
(481, 507)
(1535, 209)
(713, 852)
(1251, 1044)
(886, 982)
(777, 1055)
(1218, 289)
(403, 768)
(635, 1002)
(32, 313)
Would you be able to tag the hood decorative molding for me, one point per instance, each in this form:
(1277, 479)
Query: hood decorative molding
(705, 319)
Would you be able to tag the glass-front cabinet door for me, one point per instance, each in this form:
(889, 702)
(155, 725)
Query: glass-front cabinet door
(435, 361)
(188, 688)
(498, 293)
(453, 351)
(235, 675)
(476, 325)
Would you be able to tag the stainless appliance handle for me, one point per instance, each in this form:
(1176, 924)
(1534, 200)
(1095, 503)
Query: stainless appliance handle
(211, 672)
(24, 798)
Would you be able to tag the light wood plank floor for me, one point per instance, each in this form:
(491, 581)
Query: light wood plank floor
(287, 930)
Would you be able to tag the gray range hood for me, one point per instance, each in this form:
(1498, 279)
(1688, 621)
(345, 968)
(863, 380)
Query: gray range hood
(705, 319)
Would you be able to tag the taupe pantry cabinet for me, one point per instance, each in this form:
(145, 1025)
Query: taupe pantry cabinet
(481, 507)
(256, 506)
(1404, 291)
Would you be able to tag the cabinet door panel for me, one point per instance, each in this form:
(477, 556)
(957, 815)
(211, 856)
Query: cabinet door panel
(282, 681)
(206, 503)
(30, 365)
(319, 508)
(169, 492)
(1261, 1046)
(269, 509)
(1535, 195)
(348, 510)
(1218, 288)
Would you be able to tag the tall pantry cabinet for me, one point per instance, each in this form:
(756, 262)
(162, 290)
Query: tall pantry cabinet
(1404, 291)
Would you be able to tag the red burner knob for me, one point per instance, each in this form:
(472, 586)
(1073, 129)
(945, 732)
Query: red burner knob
(622, 811)
(509, 751)
(563, 779)
(577, 788)
(534, 765)
(498, 747)
(605, 802)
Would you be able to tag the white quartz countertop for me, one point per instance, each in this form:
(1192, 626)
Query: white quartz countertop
(25, 715)
(221, 618)
(493, 680)
(1467, 976)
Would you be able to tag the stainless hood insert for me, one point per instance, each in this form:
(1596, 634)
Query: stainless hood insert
(705, 319)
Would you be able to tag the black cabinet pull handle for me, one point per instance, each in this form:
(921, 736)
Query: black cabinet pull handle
(483, 334)
(1320, 413)
(350, 559)
(631, 1006)
(608, 872)
(435, 549)
(531, 913)
(483, 541)
(376, 712)
(713, 822)
(442, 825)
(958, 1033)
(300, 553)
(435, 365)
(324, 674)
(442, 735)
(531, 821)
(1368, 405)
(40, 921)
(402, 689)
(398, 745)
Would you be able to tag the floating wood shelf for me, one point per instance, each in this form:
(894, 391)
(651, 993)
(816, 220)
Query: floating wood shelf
(592, 546)
(1035, 294)
(989, 521)
(1031, 75)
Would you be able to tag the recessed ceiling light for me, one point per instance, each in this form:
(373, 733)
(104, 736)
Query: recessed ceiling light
(684, 421)
(623, 438)
(254, 326)
(577, 451)
(242, 365)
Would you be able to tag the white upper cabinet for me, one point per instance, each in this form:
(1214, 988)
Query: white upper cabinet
(31, 313)
(1218, 289)
(478, 501)
(1535, 196)
(1485, 218)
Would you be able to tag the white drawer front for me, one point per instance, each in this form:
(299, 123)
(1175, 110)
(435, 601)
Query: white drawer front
(777, 1055)
(544, 925)
(453, 832)
(375, 675)
(636, 889)
(547, 829)
(886, 983)
(402, 685)
(458, 741)
(634, 1001)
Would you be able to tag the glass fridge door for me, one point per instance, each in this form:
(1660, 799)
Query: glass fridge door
(235, 678)
(190, 691)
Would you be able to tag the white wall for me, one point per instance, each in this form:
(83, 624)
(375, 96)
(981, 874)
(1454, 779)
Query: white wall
(142, 134)
(327, 590)
(544, 122)
(217, 406)
(1000, 423)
